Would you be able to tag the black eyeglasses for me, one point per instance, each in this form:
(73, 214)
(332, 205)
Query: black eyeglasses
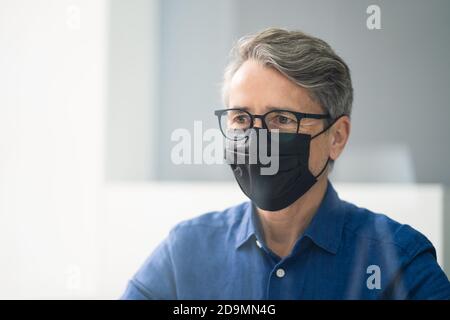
(234, 123)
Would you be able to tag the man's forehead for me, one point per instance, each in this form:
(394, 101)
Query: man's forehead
(255, 87)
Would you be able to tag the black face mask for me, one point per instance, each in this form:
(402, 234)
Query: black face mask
(293, 179)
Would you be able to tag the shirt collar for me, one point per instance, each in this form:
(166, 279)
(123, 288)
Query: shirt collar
(325, 228)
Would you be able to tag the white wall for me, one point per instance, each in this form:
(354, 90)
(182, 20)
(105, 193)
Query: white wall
(52, 80)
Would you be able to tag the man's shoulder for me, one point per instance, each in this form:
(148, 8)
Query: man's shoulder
(379, 230)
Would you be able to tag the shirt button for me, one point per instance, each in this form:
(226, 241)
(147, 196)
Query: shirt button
(280, 273)
(258, 243)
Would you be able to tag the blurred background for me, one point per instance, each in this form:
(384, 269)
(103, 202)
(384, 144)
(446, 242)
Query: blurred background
(90, 92)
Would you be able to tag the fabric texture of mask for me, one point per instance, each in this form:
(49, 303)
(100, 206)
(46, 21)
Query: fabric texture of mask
(276, 191)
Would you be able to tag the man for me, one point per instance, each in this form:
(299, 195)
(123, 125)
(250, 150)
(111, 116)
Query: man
(296, 239)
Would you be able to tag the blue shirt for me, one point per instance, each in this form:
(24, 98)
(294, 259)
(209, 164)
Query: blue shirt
(346, 252)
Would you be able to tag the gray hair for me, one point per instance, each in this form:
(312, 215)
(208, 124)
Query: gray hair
(307, 61)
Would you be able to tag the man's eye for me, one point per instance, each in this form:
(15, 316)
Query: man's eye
(240, 119)
(284, 120)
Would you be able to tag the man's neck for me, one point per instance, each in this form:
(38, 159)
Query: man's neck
(282, 228)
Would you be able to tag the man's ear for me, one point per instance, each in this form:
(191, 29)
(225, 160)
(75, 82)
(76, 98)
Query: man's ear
(340, 133)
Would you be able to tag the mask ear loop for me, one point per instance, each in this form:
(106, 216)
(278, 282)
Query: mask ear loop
(331, 124)
(328, 160)
(323, 169)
